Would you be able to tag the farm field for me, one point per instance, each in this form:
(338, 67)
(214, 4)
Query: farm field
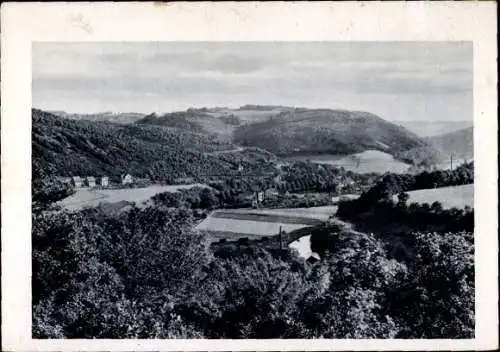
(365, 162)
(449, 197)
(320, 213)
(87, 197)
(255, 223)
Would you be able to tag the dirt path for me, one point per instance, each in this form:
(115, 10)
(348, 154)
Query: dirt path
(236, 150)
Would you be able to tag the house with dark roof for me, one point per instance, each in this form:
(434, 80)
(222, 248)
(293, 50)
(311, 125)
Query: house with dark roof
(127, 179)
(314, 258)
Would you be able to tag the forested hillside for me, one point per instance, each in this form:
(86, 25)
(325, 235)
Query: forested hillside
(68, 147)
(459, 143)
(195, 121)
(145, 273)
(326, 131)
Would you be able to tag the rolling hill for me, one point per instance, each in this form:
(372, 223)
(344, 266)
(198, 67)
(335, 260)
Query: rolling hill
(122, 117)
(196, 121)
(67, 147)
(219, 121)
(433, 128)
(321, 131)
(459, 143)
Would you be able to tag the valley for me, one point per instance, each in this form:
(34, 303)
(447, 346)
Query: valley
(215, 190)
(239, 194)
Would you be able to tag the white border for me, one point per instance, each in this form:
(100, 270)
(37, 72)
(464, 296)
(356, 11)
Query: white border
(22, 23)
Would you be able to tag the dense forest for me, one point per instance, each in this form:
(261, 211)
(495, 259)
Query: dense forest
(145, 273)
(315, 183)
(311, 177)
(68, 147)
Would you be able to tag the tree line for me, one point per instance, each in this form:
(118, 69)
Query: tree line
(393, 184)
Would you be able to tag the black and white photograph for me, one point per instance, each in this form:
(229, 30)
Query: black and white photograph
(253, 190)
(248, 191)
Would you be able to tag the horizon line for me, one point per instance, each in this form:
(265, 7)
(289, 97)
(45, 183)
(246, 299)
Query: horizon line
(114, 112)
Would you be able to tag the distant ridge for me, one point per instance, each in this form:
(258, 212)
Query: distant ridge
(286, 131)
(116, 117)
(434, 128)
(324, 131)
(458, 143)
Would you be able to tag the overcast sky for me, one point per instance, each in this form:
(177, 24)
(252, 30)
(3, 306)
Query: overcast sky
(397, 81)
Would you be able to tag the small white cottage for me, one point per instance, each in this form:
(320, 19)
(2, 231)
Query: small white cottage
(127, 179)
(77, 181)
(91, 181)
(104, 181)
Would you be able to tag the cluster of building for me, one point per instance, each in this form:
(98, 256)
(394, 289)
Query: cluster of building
(91, 181)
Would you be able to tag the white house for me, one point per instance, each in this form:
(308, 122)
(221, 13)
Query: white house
(240, 167)
(127, 179)
(77, 181)
(104, 181)
(91, 181)
(260, 196)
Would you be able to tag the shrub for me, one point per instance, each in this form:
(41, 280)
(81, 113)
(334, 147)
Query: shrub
(242, 240)
(438, 300)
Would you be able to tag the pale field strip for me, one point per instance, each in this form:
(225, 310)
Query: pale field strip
(263, 228)
(449, 197)
(319, 213)
(249, 227)
(93, 197)
(369, 161)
